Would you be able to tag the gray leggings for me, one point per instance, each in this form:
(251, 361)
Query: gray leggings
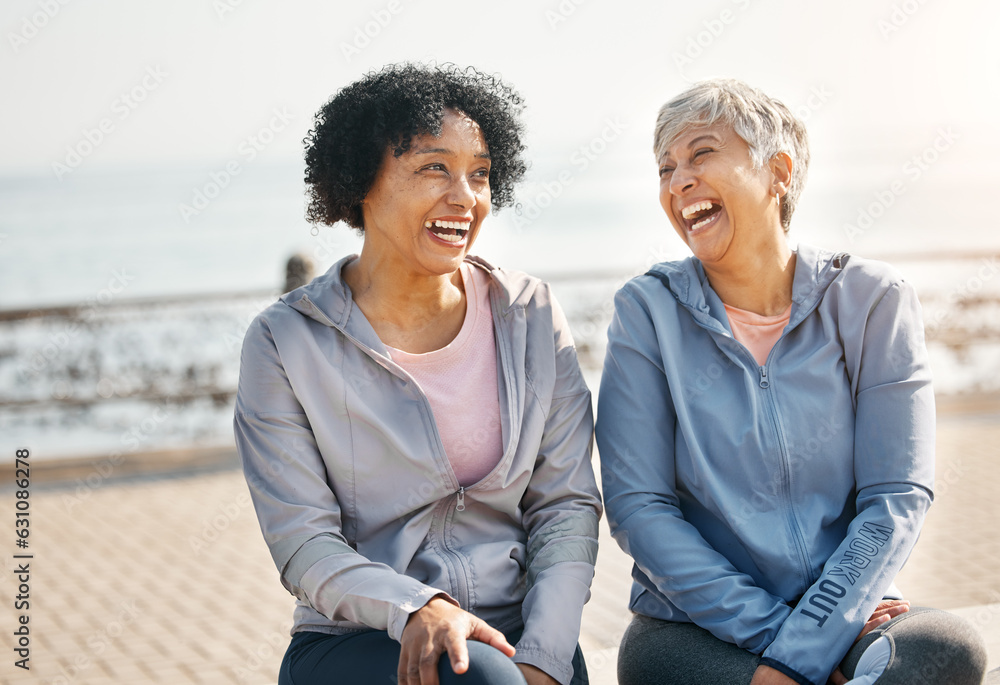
(928, 646)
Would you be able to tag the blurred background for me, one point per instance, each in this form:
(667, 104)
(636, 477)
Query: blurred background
(151, 173)
(151, 194)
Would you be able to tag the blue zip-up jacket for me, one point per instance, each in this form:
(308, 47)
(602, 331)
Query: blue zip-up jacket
(771, 505)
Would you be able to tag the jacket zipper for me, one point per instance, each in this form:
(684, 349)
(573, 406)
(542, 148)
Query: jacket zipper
(785, 471)
(455, 562)
(460, 506)
(772, 411)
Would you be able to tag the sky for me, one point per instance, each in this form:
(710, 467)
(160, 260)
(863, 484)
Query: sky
(220, 67)
(900, 96)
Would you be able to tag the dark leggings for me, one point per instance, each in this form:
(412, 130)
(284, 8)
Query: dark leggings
(371, 656)
(928, 646)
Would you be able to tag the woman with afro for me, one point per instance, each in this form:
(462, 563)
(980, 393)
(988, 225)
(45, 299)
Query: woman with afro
(413, 424)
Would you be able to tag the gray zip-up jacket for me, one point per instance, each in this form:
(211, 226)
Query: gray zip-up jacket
(358, 502)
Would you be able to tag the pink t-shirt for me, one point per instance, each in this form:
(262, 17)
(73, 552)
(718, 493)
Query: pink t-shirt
(758, 333)
(460, 380)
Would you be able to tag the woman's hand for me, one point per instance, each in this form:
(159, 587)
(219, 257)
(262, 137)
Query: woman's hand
(440, 626)
(765, 675)
(536, 676)
(886, 610)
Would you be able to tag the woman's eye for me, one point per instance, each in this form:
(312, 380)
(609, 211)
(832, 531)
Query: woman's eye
(702, 151)
(665, 171)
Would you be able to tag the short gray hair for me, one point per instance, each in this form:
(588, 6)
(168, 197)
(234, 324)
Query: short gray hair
(765, 124)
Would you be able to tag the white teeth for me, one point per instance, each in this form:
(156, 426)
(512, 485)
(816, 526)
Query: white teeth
(703, 222)
(454, 225)
(451, 238)
(691, 210)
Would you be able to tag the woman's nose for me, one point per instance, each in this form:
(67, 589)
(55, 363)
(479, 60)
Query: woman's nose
(682, 180)
(460, 193)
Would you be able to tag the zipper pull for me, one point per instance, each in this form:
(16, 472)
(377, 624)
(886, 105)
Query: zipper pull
(461, 500)
(763, 378)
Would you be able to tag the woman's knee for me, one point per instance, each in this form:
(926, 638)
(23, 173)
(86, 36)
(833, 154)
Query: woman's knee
(655, 651)
(932, 646)
(487, 666)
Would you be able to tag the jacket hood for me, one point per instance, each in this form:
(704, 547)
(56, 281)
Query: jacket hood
(328, 299)
(815, 270)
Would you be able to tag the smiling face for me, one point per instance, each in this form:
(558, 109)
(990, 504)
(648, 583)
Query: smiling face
(719, 204)
(425, 207)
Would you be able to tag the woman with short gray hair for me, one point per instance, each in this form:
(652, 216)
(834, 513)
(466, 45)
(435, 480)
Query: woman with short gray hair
(766, 430)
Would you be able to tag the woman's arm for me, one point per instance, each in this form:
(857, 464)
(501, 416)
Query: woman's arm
(894, 469)
(299, 514)
(561, 508)
(635, 437)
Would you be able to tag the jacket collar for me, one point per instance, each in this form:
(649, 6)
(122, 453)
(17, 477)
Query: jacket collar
(328, 300)
(815, 270)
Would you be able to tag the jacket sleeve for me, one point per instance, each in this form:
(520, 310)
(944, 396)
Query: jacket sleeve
(894, 471)
(561, 508)
(298, 512)
(636, 426)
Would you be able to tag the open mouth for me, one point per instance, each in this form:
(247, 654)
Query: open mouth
(700, 214)
(449, 231)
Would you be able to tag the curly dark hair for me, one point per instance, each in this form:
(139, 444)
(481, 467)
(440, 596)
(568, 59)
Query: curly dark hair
(384, 110)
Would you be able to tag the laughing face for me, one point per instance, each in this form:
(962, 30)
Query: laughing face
(719, 204)
(425, 207)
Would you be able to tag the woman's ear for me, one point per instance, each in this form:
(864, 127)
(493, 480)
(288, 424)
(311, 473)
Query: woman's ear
(781, 171)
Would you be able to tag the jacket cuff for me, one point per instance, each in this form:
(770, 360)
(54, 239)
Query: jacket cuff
(562, 671)
(399, 614)
(380, 599)
(791, 673)
(552, 612)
